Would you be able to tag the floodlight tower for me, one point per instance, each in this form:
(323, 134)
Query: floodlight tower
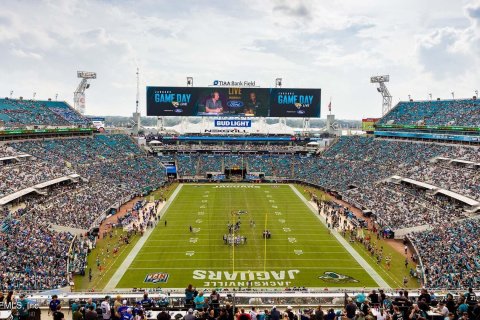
(382, 88)
(79, 94)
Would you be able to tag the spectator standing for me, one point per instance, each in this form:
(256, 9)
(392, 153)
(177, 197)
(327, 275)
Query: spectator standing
(90, 313)
(199, 301)
(350, 309)
(274, 314)
(52, 307)
(58, 314)
(22, 307)
(189, 315)
(106, 309)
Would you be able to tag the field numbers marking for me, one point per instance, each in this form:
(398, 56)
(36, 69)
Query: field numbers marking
(281, 220)
(198, 221)
(287, 229)
(298, 252)
(189, 253)
(292, 240)
(278, 213)
(193, 240)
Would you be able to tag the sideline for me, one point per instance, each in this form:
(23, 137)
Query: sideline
(364, 264)
(117, 276)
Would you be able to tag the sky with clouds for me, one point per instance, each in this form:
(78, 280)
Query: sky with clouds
(426, 46)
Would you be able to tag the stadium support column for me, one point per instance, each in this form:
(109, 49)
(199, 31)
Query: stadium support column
(160, 124)
(136, 123)
(306, 125)
(332, 125)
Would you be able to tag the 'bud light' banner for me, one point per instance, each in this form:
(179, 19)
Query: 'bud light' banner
(233, 101)
(233, 123)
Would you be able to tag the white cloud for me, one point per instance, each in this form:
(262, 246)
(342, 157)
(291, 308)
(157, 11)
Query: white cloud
(334, 45)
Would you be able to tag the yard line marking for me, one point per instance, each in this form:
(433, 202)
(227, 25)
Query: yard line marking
(362, 262)
(117, 276)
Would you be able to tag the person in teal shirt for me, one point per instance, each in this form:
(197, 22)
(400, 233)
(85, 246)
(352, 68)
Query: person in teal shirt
(90, 303)
(199, 301)
(75, 305)
(463, 307)
(22, 307)
(360, 298)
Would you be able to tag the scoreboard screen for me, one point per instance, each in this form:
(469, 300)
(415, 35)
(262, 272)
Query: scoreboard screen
(233, 101)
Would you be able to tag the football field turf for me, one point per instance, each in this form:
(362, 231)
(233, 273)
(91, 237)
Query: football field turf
(300, 252)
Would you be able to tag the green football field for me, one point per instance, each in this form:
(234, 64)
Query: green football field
(300, 252)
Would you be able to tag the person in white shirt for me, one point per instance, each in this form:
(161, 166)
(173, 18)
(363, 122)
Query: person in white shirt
(106, 310)
(442, 309)
(253, 314)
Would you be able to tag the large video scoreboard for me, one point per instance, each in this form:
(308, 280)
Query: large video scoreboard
(233, 101)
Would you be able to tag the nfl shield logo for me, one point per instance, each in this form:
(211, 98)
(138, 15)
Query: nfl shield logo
(158, 277)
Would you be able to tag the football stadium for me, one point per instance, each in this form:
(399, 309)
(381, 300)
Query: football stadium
(240, 178)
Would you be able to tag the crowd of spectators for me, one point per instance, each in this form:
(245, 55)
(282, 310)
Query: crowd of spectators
(187, 164)
(22, 113)
(78, 205)
(229, 147)
(7, 151)
(210, 163)
(17, 176)
(112, 170)
(457, 178)
(443, 251)
(403, 206)
(465, 112)
(33, 257)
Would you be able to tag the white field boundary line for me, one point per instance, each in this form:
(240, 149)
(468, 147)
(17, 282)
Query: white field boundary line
(362, 262)
(117, 276)
(250, 269)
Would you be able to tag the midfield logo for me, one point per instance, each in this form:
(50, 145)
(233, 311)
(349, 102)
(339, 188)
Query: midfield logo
(330, 276)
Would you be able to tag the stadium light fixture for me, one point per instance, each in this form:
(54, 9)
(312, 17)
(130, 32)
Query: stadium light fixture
(409, 97)
(383, 90)
(379, 79)
(86, 75)
(34, 94)
(476, 93)
(453, 95)
(278, 83)
(11, 94)
(56, 96)
(189, 81)
(430, 95)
